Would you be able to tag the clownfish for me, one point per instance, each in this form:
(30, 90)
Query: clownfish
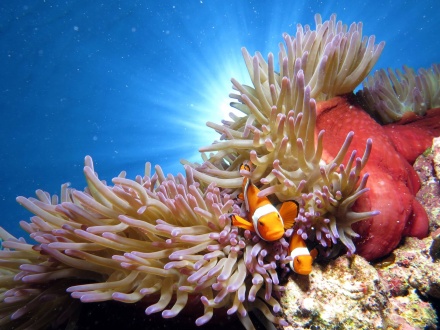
(263, 218)
(302, 257)
(270, 224)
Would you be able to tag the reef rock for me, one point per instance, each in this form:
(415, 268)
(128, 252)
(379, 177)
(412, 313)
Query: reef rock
(412, 266)
(349, 293)
(411, 273)
(427, 167)
(436, 156)
(410, 313)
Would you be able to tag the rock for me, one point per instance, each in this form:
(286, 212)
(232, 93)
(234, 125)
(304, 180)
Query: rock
(436, 156)
(429, 193)
(348, 291)
(434, 251)
(410, 307)
(413, 268)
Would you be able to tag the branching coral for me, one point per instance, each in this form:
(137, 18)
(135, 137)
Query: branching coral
(277, 131)
(389, 95)
(156, 237)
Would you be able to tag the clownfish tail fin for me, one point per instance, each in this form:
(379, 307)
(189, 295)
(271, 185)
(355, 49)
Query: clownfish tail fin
(289, 211)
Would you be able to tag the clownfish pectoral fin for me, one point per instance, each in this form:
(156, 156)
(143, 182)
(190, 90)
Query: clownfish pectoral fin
(241, 196)
(289, 212)
(242, 223)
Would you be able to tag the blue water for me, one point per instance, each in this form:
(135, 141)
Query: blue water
(134, 81)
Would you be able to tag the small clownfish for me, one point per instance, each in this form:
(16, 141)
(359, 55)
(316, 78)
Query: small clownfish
(302, 257)
(263, 218)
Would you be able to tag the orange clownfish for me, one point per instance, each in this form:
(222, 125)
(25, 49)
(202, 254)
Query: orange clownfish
(302, 257)
(263, 218)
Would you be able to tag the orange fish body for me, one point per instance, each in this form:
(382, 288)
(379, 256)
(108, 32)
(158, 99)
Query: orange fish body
(302, 257)
(263, 217)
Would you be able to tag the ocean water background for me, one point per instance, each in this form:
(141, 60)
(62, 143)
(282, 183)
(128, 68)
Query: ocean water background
(134, 81)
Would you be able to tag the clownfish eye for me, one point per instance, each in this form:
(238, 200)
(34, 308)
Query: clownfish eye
(261, 223)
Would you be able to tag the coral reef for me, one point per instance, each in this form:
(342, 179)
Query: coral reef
(413, 268)
(168, 241)
(411, 274)
(436, 156)
(427, 167)
(388, 97)
(349, 293)
(393, 293)
(410, 312)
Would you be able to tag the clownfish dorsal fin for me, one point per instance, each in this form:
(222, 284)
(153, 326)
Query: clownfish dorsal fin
(289, 212)
(246, 166)
(242, 223)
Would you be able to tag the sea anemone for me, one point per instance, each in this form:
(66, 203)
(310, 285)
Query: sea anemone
(388, 95)
(30, 280)
(277, 131)
(157, 237)
(170, 238)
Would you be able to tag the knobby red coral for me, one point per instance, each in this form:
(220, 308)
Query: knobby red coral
(393, 182)
(413, 134)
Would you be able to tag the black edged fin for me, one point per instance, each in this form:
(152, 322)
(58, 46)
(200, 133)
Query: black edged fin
(289, 211)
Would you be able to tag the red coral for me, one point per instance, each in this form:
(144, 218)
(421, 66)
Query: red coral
(413, 134)
(392, 182)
